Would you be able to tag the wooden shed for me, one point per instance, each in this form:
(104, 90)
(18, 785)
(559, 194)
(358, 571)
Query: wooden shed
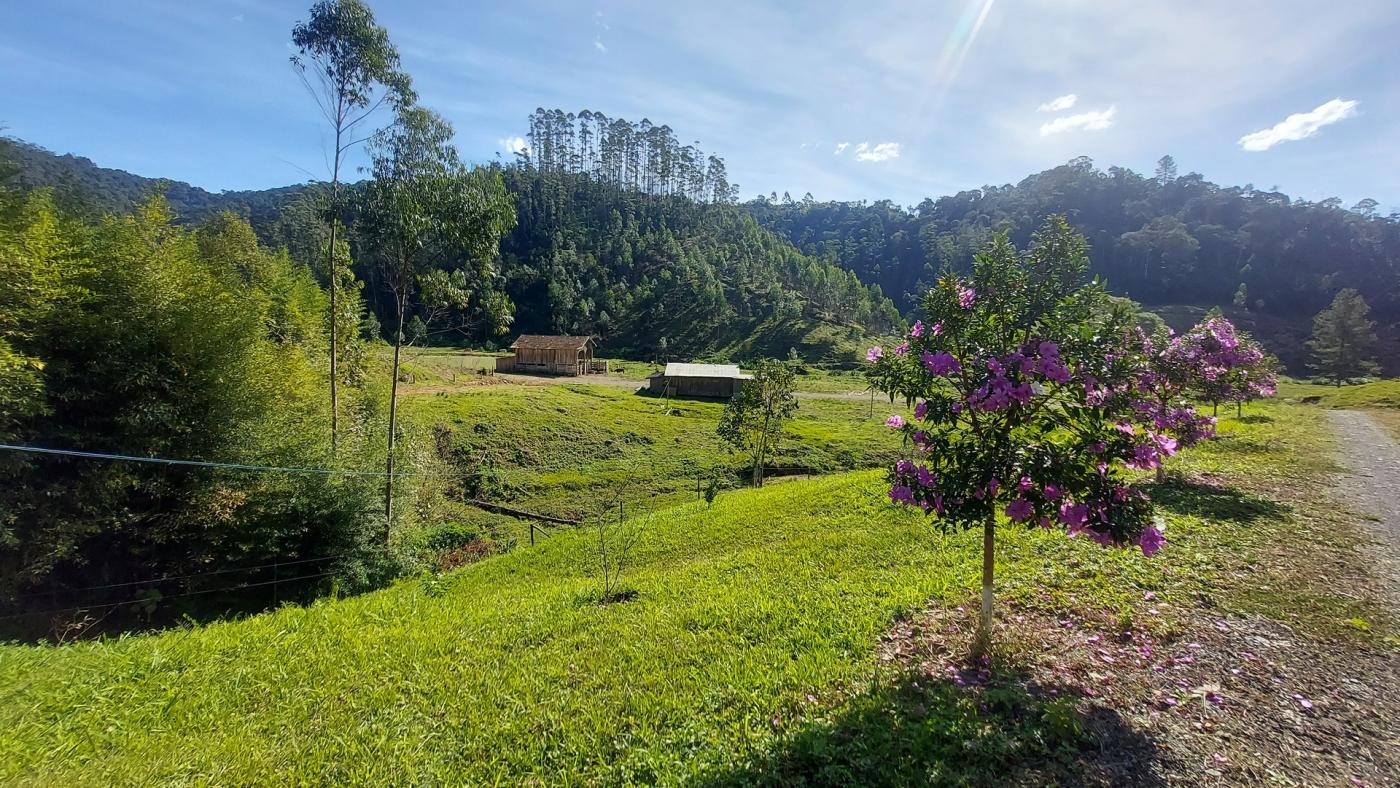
(721, 381)
(552, 355)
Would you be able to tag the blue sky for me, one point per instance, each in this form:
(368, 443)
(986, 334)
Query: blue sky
(943, 95)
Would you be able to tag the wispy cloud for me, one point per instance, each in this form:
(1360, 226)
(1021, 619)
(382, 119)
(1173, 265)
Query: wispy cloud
(880, 152)
(1059, 104)
(840, 148)
(598, 45)
(1084, 121)
(514, 144)
(1300, 125)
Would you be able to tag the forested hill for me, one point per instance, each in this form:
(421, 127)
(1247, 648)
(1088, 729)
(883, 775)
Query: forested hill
(637, 253)
(1161, 240)
(81, 186)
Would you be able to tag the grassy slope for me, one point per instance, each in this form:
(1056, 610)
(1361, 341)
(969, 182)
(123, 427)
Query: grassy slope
(565, 449)
(505, 669)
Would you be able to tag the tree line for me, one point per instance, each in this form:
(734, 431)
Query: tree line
(1162, 239)
(641, 156)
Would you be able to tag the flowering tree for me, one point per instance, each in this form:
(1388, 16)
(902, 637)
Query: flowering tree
(1025, 387)
(1230, 366)
(1170, 373)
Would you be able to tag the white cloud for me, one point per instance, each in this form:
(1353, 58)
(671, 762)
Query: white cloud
(880, 152)
(514, 144)
(1059, 104)
(237, 18)
(840, 148)
(1300, 125)
(598, 45)
(1084, 121)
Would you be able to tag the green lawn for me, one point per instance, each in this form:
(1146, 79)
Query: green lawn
(567, 449)
(752, 634)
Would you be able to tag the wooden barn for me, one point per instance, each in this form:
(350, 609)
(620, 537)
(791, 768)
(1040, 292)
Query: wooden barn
(721, 381)
(552, 355)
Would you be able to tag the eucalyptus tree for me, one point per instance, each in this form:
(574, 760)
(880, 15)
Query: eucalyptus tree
(351, 69)
(433, 228)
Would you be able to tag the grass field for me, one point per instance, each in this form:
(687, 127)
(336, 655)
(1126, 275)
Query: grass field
(568, 449)
(748, 653)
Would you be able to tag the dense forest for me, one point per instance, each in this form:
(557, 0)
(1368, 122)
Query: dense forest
(1165, 240)
(620, 232)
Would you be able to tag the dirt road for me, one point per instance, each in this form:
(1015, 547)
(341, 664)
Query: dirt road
(1371, 487)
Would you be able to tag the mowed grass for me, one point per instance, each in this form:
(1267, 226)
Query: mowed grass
(1376, 394)
(753, 629)
(569, 449)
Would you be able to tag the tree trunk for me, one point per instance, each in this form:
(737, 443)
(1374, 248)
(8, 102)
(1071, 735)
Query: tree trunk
(335, 316)
(393, 424)
(1239, 410)
(984, 627)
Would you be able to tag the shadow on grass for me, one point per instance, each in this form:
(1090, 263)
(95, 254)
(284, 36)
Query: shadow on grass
(1255, 419)
(931, 731)
(1212, 502)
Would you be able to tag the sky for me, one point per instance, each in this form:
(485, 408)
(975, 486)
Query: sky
(872, 100)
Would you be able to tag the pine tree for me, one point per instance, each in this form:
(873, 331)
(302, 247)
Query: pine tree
(1344, 339)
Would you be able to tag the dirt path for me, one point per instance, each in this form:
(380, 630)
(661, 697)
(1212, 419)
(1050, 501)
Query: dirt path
(1371, 487)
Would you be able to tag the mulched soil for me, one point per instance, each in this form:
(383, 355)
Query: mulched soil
(1204, 700)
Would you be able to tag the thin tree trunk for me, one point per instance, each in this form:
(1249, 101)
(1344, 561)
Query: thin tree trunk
(335, 315)
(1239, 410)
(984, 629)
(393, 423)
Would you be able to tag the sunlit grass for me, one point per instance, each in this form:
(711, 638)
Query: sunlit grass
(507, 671)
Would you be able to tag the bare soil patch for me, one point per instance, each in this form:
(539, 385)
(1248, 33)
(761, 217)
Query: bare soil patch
(1188, 698)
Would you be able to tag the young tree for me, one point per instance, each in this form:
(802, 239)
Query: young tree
(1025, 392)
(350, 68)
(434, 229)
(1171, 374)
(1343, 339)
(1228, 365)
(753, 421)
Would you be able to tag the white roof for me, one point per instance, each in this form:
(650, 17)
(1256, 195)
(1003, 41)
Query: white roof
(706, 371)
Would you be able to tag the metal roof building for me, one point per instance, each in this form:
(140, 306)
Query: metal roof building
(699, 380)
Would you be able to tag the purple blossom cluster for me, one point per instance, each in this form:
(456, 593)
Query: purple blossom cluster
(1091, 397)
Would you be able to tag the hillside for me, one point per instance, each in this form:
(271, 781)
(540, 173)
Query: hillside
(751, 651)
(592, 257)
(1163, 240)
(586, 255)
(82, 186)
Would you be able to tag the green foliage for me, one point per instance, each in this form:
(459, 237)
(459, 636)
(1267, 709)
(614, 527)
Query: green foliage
(1160, 240)
(749, 654)
(1344, 340)
(152, 340)
(753, 420)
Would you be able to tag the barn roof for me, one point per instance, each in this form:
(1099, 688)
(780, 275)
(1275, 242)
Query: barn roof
(545, 342)
(706, 371)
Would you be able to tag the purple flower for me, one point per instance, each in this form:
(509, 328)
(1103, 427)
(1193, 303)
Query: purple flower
(921, 410)
(902, 349)
(895, 422)
(937, 329)
(918, 329)
(1151, 540)
(1019, 510)
(966, 296)
(925, 476)
(874, 354)
(901, 493)
(940, 363)
(1074, 514)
